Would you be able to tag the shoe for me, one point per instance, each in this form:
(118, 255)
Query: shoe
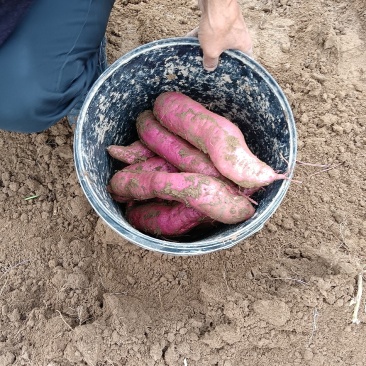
(73, 115)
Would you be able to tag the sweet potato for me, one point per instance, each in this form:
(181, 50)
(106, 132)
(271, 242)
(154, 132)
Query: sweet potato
(173, 148)
(178, 151)
(131, 154)
(208, 195)
(116, 197)
(215, 135)
(154, 164)
(164, 218)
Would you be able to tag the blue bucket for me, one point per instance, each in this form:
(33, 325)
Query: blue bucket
(239, 89)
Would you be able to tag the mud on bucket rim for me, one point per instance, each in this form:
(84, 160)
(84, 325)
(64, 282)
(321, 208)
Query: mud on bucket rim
(130, 86)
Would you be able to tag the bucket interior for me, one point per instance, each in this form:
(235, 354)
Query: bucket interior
(239, 89)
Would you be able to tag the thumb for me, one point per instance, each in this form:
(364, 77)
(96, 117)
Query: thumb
(210, 63)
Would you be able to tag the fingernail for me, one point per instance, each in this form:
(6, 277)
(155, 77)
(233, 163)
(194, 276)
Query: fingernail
(210, 67)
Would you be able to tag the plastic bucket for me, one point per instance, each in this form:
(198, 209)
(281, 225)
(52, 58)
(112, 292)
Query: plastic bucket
(240, 89)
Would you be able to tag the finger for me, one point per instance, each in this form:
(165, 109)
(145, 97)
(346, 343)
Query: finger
(210, 63)
(193, 33)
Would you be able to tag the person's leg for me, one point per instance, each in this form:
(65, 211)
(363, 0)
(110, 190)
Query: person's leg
(50, 62)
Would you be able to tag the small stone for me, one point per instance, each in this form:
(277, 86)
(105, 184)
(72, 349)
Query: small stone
(7, 359)
(33, 185)
(272, 228)
(347, 127)
(14, 316)
(338, 217)
(64, 152)
(319, 77)
(359, 87)
(77, 280)
(52, 263)
(192, 337)
(5, 177)
(288, 223)
(80, 207)
(285, 47)
(24, 217)
(4, 310)
(339, 303)
(304, 118)
(337, 129)
(156, 351)
(14, 186)
(228, 333)
(308, 355)
(170, 337)
(171, 356)
(130, 280)
(60, 140)
(59, 277)
(183, 348)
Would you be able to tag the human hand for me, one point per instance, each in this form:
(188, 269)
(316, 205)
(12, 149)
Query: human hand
(221, 27)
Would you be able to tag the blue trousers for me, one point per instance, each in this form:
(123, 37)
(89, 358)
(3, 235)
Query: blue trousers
(50, 62)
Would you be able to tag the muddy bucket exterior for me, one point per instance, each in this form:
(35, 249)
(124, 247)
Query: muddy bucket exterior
(239, 89)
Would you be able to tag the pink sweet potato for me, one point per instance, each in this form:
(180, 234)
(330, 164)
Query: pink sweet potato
(164, 218)
(208, 195)
(178, 151)
(130, 154)
(116, 197)
(173, 148)
(154, 164)
(215, 135)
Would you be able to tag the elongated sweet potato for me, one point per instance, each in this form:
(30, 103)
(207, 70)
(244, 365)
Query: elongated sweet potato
(154, 164)
(116, 197)
(178, 151)
(208, 195)
(131, 154)
(164, 218)
(173, 148)
(215, 135)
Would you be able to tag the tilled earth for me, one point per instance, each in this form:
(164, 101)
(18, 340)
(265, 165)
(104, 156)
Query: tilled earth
(74, 293)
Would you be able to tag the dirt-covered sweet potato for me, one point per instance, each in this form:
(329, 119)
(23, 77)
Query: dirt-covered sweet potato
(206, 194)
(215, 135)
(131, 154)
(154, 164)
(164, 218)
(173, 148)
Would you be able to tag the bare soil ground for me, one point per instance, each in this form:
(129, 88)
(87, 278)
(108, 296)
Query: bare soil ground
(73, 293)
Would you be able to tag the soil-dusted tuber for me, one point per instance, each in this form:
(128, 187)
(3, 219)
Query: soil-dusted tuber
(130, 154)
(173, 148)
(215, 135)
(164, 218)
(208, 195)
(154, 164)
